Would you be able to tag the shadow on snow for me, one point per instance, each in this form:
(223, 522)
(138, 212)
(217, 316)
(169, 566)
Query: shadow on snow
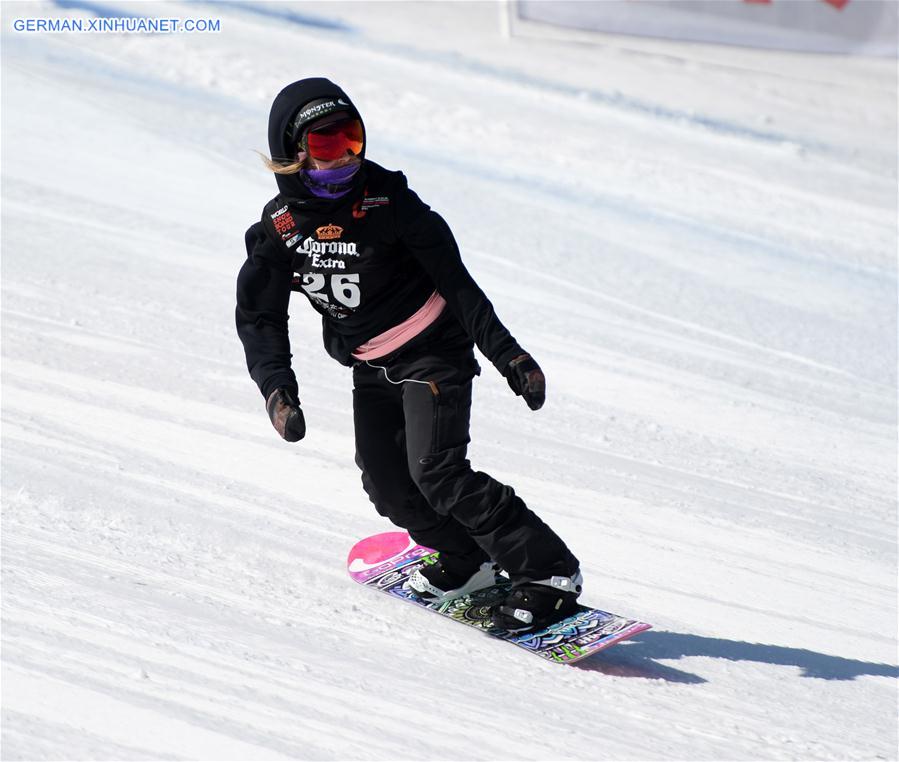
(636, 658)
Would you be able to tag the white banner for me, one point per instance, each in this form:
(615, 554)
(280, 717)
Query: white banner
(866, 27)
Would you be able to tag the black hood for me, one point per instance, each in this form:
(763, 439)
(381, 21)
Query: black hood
(285, 108)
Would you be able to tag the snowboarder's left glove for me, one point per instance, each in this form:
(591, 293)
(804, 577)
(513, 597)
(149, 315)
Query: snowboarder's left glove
(527, 380)
(283, 408)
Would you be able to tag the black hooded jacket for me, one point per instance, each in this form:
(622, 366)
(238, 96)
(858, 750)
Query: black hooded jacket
(366, 261)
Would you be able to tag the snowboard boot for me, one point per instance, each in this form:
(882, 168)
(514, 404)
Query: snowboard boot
(450, 578)
(534, 605)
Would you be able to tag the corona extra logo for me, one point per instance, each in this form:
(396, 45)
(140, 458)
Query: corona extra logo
(328, 232)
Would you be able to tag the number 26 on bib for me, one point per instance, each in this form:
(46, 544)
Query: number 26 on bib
(340, 288)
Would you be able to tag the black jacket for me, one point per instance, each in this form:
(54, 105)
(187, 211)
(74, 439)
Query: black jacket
(366, 262)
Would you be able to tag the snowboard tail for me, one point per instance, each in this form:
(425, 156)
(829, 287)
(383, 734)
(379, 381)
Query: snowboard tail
(385, 561)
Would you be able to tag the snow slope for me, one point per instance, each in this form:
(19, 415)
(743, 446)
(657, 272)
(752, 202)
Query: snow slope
(697, 243)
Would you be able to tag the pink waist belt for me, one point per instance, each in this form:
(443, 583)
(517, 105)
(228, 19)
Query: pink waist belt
(393, 339)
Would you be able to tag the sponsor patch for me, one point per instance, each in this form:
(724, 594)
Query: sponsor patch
(283, 221)
(326, 263)
(329, 232)
(368, 202)
(338, 248)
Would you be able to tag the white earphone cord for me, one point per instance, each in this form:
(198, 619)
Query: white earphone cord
(401, 381)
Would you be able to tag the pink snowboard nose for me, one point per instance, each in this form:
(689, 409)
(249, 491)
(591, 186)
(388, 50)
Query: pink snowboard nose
(371, 552)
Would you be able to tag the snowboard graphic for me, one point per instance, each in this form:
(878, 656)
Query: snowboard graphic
(385, 561)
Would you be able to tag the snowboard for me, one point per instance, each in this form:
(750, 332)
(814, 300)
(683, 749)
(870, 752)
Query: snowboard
(385, 561)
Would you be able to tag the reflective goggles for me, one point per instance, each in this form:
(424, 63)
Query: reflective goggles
(334, 140)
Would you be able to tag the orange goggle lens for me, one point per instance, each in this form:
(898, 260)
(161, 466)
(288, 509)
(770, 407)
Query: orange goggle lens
(333, 141)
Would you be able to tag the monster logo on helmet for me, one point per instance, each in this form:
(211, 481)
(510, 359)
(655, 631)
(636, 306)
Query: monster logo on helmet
(314, 111)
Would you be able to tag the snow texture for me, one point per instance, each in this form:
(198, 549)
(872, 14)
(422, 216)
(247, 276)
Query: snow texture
(697, 243)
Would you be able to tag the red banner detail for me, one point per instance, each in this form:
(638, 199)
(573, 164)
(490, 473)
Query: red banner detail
(838, 4)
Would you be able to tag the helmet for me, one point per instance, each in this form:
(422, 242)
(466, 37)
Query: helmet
(320, 112)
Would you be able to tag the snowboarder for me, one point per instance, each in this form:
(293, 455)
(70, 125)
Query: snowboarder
(399, 307)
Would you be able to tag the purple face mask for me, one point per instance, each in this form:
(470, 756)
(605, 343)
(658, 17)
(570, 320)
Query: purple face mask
(330, 183)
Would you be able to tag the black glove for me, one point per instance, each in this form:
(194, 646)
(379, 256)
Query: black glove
(527, 380)
(284, 411)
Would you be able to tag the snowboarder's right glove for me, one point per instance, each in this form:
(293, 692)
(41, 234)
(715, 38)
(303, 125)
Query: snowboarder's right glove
(527, 380)
(284, 411)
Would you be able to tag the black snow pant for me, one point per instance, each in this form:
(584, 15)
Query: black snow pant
(411, 413)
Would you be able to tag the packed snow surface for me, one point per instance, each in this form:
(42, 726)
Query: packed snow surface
(697, 244)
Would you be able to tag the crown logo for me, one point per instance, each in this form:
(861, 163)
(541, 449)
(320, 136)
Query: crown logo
(328, 232)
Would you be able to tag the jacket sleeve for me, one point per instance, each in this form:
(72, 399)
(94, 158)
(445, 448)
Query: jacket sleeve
(429, 239)
(263, 294)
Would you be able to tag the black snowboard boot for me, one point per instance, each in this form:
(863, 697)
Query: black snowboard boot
(535, 605)
(451, 577)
